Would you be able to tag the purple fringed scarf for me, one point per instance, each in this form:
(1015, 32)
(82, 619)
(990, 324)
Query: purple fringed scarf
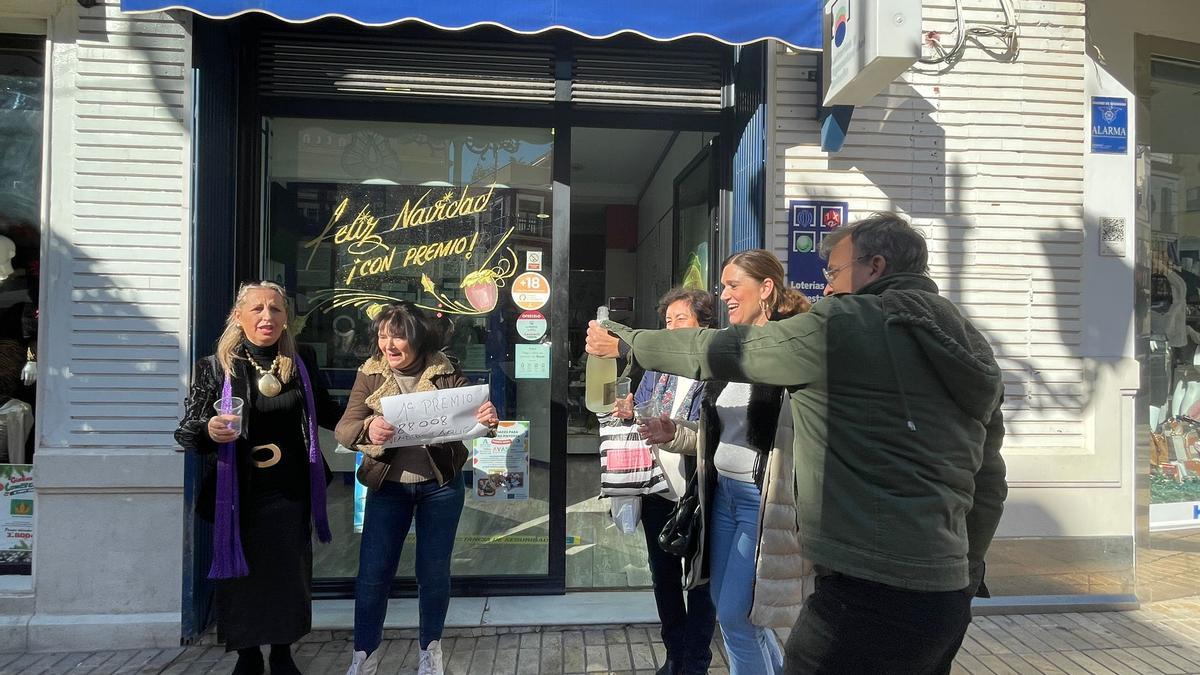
(228, 559)
(316, 464)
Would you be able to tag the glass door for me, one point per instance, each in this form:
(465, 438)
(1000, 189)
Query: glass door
(458, 220)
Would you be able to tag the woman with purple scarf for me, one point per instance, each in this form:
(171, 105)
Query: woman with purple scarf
(270, 476)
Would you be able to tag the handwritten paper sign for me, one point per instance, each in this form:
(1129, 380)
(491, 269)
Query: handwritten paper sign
(435, 416)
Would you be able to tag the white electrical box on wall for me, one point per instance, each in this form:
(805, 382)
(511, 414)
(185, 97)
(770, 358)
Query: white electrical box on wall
(868, 43)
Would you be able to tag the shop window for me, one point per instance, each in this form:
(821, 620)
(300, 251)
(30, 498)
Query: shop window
(455, 219)
(1173, 292)
(22, 83)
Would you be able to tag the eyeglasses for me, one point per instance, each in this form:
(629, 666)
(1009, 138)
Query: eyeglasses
(831, 274)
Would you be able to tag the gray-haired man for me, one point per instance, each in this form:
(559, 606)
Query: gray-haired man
(899, 480)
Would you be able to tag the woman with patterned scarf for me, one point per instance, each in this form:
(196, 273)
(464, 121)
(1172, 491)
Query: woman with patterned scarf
(687, 628)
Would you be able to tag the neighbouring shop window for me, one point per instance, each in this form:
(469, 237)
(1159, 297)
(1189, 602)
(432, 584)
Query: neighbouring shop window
(457, 220)
(1169, 204)
(22, 86)
(694, 229)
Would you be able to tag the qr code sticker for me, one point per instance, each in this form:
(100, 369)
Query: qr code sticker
(1112, 230)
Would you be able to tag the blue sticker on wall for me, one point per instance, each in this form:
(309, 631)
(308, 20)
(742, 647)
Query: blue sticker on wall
(1110, 125)
(808, 223)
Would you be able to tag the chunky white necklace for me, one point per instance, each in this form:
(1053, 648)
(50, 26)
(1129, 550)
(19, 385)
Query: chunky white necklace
(268, 384)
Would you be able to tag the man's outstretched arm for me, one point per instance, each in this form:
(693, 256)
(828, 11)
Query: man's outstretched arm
(790, 352)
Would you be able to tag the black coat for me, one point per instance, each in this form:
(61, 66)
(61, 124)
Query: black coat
(192, 434)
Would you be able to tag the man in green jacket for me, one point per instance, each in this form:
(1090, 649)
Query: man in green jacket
(899, 480)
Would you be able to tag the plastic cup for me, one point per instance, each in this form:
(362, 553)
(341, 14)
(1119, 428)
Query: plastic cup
(655, 427)
(622, 387)
(646, 411)
(232, 415)
(624, 408)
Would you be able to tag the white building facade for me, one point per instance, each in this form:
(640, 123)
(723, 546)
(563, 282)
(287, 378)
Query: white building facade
(990, 156)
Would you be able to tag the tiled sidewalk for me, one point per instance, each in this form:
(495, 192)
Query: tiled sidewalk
(1161, 638)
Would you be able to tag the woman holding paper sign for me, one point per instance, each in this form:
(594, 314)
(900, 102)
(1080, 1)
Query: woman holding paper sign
(421, 483)
(253, 408)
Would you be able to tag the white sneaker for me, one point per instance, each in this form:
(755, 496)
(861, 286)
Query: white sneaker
(364, 664)
(431, 660)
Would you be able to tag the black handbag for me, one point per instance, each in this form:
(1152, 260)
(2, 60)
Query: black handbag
(680, 535)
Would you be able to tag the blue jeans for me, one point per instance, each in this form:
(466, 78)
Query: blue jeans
(388, 517)
(732, 544)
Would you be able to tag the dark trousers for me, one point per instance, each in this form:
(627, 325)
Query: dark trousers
(850, 625)
(687, 630)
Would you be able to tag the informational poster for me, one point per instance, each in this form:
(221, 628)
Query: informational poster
(532, 361)
(501, 463)
(16, 513)
(808, 223)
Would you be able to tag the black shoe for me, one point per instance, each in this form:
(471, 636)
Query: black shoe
(250, 662)
(668, 668)
(281, 661)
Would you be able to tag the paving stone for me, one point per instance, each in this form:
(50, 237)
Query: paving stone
(595, 658)
(551, 654)
(1188, 655)
(997, 664)
(70, 662)
(971, 646)
(528, 661)
(482, 660)
(1160, 639)
(642, 655)
(1038, 663)
(113, 664)
(970, 664)
(619, 657)
(638, 634)
(983, 634)
(43, 664)
(574, 658)
(1150, 656)
(1065, 664)
(1133, 662)
(1030, 639)
(507, 649)
(1108, 660)
(1087, 663)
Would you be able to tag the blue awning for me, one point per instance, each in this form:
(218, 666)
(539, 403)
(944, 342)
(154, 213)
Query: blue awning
(794, 22)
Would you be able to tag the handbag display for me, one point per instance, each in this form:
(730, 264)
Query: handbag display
(680, 535)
